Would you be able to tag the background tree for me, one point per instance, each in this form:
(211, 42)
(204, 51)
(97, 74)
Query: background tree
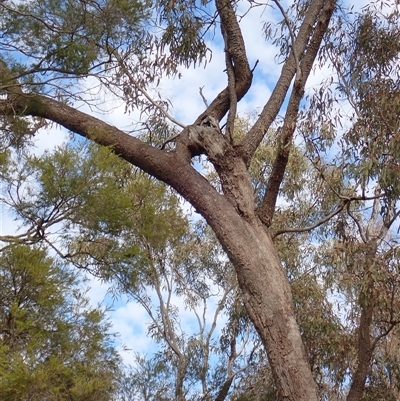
(368, 158)
(133, 234)
(114, 43)
(52, 344)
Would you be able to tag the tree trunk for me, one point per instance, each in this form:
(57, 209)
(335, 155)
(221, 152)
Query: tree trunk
(364, 354)
(262, 280)
(365, 345)
(265, 288)
(268, 300)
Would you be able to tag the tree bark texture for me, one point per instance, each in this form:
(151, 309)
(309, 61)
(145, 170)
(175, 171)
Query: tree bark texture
(268, 300)
(232, 215)
(364, 354)
(366, 345)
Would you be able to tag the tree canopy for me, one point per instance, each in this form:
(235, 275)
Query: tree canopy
(52, 344)
(301, 196)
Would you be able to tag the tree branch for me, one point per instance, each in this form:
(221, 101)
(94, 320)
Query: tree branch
(320, 12)
(135, 83)
(234, 329)
(202, 96)
(267, 208)
(230, 123)
(385, 333)
(237, 51)
(172, 168)
(311, 227)
(133, 150)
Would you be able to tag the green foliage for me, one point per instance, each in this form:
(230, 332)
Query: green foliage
(64, 39)
(70, 37)
(52, 344)
(58, 47)
(109, 212)
(130, 231)
(185, 22)
(150, 380)
(370, 81)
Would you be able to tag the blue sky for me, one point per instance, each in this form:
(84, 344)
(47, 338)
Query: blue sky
(129, 318)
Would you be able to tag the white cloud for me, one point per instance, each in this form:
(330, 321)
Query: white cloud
(47, 139)
(97, 291)
(128, 318)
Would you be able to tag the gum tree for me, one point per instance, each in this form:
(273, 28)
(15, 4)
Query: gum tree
(49, 47)
(134, 235)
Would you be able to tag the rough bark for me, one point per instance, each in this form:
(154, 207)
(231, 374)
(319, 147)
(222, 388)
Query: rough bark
(366, 345)
(236, 48)
(232, 216)
(268, 300)
(265, 288)
(364, 353)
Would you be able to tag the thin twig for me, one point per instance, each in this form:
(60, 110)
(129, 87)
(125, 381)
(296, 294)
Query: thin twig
(311, 227)
(202, 96)
(255, 65)
(292, 37)
(143, 91)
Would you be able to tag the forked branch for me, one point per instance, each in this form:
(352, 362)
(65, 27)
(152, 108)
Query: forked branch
(235, 47)
(267, 208)
(316, 19)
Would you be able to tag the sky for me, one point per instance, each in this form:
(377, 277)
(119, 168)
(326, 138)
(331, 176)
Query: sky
(128, 318)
